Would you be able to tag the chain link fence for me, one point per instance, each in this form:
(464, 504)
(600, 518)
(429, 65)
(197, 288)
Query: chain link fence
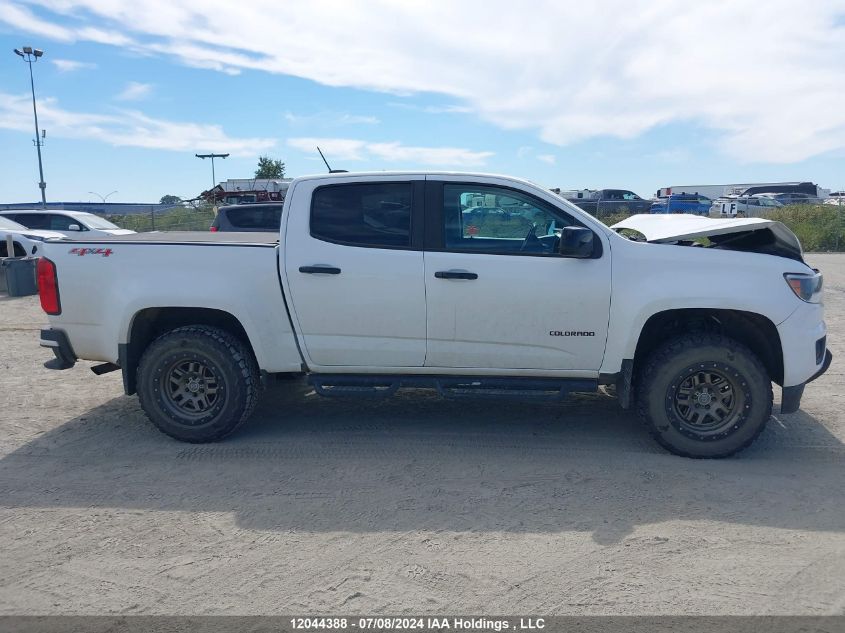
(176, 218)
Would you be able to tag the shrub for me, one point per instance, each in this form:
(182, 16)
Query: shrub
(819, 227)
(610, 220)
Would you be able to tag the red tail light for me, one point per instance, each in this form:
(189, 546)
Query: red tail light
(48, 286)
(213, 229)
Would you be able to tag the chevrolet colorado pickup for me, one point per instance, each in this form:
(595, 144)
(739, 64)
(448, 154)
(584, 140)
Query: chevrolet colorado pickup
(381, 281)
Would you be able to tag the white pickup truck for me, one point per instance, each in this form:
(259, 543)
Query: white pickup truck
(387, 280)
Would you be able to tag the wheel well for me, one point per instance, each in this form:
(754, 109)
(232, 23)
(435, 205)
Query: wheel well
(19, 251)
(753, 330)
(149, 324)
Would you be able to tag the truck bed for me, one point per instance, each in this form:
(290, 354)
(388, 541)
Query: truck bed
(107, 281)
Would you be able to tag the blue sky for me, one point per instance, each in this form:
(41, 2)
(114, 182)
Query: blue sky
(663, 93)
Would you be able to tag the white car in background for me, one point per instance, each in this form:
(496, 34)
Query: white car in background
(68, 223)
(25, 241)
(755, 206)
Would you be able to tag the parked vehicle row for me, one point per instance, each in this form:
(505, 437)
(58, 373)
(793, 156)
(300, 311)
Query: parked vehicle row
(603, 202)
(682, 203)
(606, 201)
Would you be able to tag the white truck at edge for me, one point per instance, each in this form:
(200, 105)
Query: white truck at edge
(387, 280)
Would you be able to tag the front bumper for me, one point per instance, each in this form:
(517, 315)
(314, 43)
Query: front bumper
(58, 341)
(791, 396)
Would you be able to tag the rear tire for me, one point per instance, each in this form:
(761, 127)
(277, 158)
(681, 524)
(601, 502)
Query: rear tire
(704, 396)
(197, 383)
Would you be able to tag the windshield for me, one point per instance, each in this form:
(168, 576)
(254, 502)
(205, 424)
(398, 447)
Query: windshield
(95, 222)
(6, 223)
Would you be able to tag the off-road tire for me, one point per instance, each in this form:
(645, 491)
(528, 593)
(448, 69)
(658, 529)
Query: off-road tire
(673, 367)
(227, 363)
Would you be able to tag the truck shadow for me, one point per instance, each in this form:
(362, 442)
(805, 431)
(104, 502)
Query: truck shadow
(416, 462)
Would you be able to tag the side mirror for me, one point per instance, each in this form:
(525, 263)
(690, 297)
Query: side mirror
(576, 242)
(74, 227)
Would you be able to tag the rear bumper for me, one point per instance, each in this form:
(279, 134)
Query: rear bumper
(57, 340)
(791, 396)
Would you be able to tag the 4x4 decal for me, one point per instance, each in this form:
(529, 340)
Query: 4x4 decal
(104, 252)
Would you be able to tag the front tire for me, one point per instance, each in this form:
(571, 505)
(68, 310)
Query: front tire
(704, 396)
(197, 383)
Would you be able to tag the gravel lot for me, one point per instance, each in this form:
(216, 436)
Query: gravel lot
(408, 505)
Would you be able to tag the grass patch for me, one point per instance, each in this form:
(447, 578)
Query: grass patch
(819, 227)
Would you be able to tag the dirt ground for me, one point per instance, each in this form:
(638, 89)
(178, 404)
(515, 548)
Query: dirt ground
(410, 505)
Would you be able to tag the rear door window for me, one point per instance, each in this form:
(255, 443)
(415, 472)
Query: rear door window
(374, 214)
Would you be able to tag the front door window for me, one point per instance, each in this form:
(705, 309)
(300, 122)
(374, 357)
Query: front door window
(495, 220)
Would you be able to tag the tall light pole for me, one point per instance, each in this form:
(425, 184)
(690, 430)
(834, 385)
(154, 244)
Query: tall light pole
(30, 56)
(213, 178)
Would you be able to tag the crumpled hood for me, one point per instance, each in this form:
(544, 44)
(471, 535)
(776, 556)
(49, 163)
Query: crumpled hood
(682, 227)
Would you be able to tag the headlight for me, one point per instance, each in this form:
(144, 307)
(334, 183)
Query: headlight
(807, 287)
(34, 238)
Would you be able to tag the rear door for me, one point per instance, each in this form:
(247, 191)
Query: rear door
(354, 270)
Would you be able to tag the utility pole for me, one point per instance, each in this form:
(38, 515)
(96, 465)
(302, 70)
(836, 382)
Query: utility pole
(30, 56)
(213, 177)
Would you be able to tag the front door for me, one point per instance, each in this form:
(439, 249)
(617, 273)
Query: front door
(499, 294)
(354, 267)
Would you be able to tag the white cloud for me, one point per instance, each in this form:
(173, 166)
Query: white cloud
(447, 109)
(71, 65)
(551, 159)
(329, 119)
(125, 128)
(346, 149)
(134, 91)
(768, 87)
(23, 19)
(524, 151)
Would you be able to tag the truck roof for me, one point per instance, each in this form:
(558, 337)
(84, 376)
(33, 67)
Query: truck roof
(411, 172)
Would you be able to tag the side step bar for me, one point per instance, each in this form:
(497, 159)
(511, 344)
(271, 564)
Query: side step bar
(452, 387)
